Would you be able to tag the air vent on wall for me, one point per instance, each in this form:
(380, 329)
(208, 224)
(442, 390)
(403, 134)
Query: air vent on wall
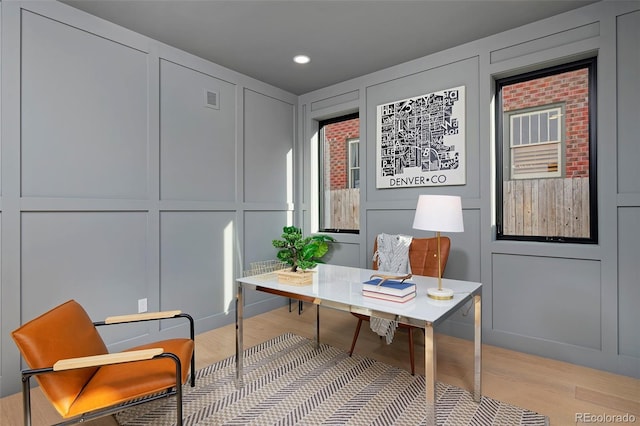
(212, 99)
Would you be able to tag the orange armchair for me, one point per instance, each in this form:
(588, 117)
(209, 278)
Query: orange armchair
(423, 258)
(83, 381)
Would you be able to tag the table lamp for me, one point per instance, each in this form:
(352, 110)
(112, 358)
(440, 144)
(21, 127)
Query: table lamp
(439, 213)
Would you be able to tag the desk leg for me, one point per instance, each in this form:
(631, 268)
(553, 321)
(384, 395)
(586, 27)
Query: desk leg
(317, 326)
(477, 337)
(430, 372)
(239, 343)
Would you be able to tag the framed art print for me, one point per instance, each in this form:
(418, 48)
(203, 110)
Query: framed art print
(421, 141)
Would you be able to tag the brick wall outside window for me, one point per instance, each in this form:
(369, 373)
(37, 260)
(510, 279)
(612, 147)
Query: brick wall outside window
(336, 137)
(572, 88)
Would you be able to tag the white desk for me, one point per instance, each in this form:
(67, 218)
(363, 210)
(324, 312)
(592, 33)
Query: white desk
(340, 287)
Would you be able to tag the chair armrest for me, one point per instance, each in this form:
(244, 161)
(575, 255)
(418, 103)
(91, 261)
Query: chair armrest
(149, 316)
(141, 317)
(99, 360)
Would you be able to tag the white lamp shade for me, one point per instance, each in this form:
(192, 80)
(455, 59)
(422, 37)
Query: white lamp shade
(439, 213)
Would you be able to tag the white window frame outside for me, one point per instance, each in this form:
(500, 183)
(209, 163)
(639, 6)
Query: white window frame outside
(538, 150)
(351, 168)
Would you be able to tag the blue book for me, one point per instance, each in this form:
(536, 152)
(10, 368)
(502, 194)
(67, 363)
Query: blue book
(394, 287)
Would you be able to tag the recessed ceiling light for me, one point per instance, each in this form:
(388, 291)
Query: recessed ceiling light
(301, 59)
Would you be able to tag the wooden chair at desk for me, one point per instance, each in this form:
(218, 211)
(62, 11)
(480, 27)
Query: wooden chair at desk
(423, 258)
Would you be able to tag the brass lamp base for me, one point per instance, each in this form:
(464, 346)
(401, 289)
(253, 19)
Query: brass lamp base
(440, 293)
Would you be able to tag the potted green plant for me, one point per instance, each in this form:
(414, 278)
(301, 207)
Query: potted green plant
(300, 252)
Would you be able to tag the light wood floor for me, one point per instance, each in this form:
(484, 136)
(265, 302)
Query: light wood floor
(556, 389)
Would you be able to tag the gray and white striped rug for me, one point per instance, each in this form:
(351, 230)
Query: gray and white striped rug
(288, 382)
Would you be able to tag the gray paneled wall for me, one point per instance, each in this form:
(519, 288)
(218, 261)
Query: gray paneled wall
(560, 302)
(628, 54)
(197, 142)
(268, 151)
(84, 114)
(89, 256)
(629, 279)
(122, 180)
(196, 261)
(628, 157)
(571, 302)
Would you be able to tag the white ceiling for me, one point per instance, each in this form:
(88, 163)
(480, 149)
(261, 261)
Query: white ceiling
(345, 39)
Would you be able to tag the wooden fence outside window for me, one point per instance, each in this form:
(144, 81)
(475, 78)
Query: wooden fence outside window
(343, 209)
(556, 207)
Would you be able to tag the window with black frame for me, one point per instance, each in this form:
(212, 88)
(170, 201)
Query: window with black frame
(546, 154)
(339, 144)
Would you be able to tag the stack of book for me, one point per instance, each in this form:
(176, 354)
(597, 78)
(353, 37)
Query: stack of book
(393, 290)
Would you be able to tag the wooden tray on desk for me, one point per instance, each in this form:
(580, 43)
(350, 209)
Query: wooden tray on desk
(298, 278)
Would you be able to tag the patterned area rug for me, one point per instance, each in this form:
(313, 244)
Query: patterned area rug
(288, 382)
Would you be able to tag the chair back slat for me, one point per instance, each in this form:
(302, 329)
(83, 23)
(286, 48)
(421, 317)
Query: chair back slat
(423, 255)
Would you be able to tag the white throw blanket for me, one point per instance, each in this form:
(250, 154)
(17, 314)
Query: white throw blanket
(392, 256)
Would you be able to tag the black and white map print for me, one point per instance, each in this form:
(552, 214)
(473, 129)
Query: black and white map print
(421, 141)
